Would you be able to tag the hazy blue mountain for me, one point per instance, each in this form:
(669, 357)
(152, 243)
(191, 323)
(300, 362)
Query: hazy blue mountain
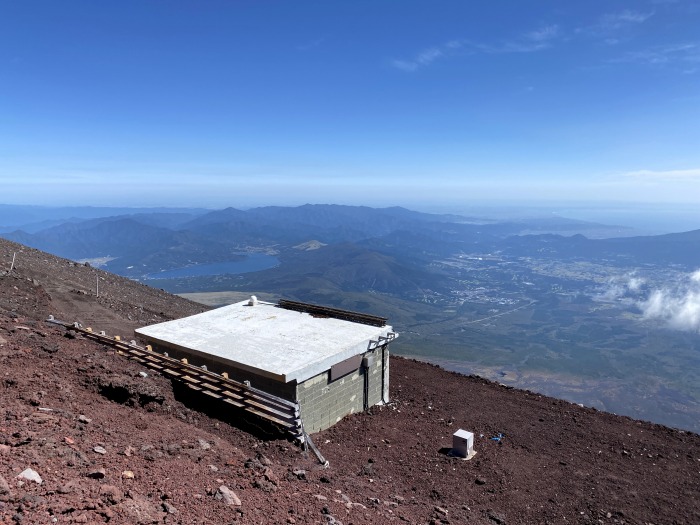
(35, 218)
(412, 237)
(327, 223)
(136, 247)
(675, 248)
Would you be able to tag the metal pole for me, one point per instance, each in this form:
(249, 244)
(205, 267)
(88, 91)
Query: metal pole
(13, 262)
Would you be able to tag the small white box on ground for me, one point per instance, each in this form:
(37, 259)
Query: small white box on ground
(463, 444)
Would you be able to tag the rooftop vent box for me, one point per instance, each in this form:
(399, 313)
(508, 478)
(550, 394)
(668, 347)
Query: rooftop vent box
(463, 444)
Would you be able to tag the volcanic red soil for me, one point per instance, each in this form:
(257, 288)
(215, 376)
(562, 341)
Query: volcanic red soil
(112, 446)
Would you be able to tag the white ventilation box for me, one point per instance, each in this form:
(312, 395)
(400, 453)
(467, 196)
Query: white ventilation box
(463, 444)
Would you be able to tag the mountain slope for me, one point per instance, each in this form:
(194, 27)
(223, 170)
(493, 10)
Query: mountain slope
(113, 446)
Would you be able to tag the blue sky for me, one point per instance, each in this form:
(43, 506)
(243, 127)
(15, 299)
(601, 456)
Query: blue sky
(239, 103)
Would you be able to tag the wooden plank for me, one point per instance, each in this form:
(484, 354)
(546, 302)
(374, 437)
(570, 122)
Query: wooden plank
(277, 410)
(234, 403)
(281, 406)
(212, 394)
(210, 387)
(271, 411)
(269, 418)
(228, 393)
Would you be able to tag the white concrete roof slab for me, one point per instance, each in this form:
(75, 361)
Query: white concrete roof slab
(274, 342)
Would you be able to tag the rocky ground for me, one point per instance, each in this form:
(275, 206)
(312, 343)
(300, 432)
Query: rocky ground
(89, 437)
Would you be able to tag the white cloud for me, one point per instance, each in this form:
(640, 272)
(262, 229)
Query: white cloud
(678, 307)
(429, 55)
(623, 18)
(536, 40)
(610, 25)
(676, 304)
(544, 33)
(685, 55)
(667, 175)
(424, 58)
(625, 287)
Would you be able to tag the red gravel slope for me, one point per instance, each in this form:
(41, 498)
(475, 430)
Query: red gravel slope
(112, 446)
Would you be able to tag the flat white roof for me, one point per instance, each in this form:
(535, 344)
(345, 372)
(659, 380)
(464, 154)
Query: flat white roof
(285, 345)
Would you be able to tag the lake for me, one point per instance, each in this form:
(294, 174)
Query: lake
(253, 262)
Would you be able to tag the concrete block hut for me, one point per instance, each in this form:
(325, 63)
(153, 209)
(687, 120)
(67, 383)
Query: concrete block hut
(332, 362)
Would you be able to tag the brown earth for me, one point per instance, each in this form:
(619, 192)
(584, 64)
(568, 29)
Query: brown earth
(113, 446)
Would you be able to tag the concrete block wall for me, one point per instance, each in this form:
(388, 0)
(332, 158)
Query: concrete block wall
(324, 402)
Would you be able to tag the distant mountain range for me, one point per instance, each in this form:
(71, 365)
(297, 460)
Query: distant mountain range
(551, 304)
(149, 240)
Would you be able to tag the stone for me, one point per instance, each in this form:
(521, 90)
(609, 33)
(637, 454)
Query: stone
(264, 485)
(139, 510)
(203, 444)
(111, 495)
(127, 474)
(270, 475)
(100, 450)
(228, 496)
(69, 487)
(4, 449)
(50, 348)
(167, 507)
(264, 460)
(143, 374)
(152, 454)
(4, 488)
(173, 449)
(128, 451)
(30, 475)
(84, 419)
(99, 473)
(480, 481)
